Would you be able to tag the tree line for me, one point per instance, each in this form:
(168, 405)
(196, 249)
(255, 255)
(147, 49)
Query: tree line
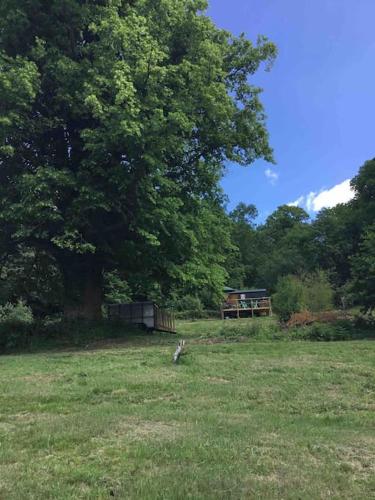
(338, 242)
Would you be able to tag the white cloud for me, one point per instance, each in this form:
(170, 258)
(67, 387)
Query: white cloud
(299, 201)
(271, 176)
(310, 201)
(327, 198)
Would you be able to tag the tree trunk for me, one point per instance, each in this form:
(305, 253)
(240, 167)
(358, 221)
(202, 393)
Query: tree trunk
(83, 288)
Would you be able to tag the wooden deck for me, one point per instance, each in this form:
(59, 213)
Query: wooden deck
(245, 308)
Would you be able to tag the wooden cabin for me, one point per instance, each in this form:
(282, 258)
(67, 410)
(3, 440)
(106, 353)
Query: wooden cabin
(246, 303)
(147, 314)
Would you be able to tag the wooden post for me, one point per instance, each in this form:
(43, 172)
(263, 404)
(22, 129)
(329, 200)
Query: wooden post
(180, 348)
(252, 308)
(270, 305)
(238, 309)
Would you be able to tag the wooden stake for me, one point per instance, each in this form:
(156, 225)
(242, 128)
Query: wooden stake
(180, 348)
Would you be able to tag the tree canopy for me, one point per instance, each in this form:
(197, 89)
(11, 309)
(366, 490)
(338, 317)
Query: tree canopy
(116, 120)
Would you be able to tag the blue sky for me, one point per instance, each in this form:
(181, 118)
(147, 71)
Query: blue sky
(319, 98)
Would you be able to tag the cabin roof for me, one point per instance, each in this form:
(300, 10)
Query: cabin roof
(249, 290)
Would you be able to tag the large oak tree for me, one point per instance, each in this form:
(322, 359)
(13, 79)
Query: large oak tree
(116, 119)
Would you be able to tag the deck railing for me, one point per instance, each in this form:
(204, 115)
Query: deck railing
(252, 305)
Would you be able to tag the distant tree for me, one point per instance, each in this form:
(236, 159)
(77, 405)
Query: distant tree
(288, 298)
(363, 271)
(286, 246)
(244, 214)
(363, 260)
(283, 245)
(240, 265)
(336, 235)
(364, 186)
(283, 219)
(317, 292)
(116, 120)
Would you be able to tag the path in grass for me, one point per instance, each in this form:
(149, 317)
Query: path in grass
(233, 420)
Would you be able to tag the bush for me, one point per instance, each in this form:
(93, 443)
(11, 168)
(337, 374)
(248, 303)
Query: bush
(309, 294)
(288, 298)
(329, 331)
(317, 292)
(195, 314)
(16, 322)
(16, 314)
(186, 303)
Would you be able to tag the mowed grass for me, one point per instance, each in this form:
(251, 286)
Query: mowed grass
(232, 420)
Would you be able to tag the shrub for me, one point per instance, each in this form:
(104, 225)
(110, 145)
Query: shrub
(317, 292)
(198, 314)
(310, 294)
(329, 331)
(16, 321)
(288, 298)
(16, 314)
(187, 303)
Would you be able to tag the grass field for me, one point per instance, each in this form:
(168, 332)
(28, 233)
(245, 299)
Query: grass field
(233, 420)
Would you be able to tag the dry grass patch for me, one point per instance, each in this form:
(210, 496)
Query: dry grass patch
(138, 430)
(218, 380)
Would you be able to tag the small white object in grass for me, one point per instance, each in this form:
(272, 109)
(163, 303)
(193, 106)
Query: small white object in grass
(179, 350)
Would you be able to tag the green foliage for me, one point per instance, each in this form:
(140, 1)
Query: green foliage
(288, 298)
(15, 315)
(244, 214)
(32, 275)
(19, 81)
(118, 120)
(364, 201)
(16, 322)
(335, 234)
(283, 219)
(187, 303)
(117, 290)
(363, 271)
(283, 245)
(317, 292)
(325, 332)
(188, 307)
(312, 292)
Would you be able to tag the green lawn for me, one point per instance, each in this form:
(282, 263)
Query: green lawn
(233, 420)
